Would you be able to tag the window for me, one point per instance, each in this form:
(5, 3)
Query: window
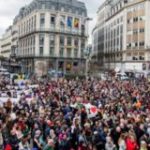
(60, 65)
(129, 45)
(142, 30)
(144, 66)
(62, 8)
(69, 50)
(121, 19)
(141, 6)
(30, 41)
(43, 6)
(62, 40)
(134, 58)
(83, 44)
(42, 20)
(83, 14)
(82, 29)
(52, 39)
(29, 25)
(117, 43)
(121, 29)
(76, 42)
(135, 19)
(53, 8)
(129, 21)
(75, 64)
(128, 54)
(141, 43)
(82, 53)
(118, 30)
(61, 52)
(76, 52)
(41, 51)
(69, 41)
(141, 58)
(141, 18)
(136, 44)
(118, 21)
(53, 17)
(135, 31)
(51, 51)
(33, 41)
(34, 22)
(33, 51)
(41, 39)
(121, 42)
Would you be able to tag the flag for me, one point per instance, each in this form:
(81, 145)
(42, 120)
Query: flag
(69, 21)
(62, 20)
(91, 110)
(76, 23)
(77, 105)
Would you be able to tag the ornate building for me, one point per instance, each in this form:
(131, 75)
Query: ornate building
(52, 35)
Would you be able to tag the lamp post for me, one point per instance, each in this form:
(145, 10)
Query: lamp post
(9, 64)
(22, 66)
(87, 54)
(87, 50)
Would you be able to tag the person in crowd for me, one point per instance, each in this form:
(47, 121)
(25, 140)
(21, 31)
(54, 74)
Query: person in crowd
(76, 114)
(122, 142)
(131, 142)
(109, 144)
(50, 145)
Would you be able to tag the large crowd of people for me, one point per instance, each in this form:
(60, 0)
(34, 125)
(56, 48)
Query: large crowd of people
(49, 120)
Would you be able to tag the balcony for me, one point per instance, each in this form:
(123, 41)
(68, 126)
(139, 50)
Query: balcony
(55, 31)
(36, 55)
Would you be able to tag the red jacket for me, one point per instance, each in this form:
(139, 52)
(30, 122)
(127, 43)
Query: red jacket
(8, 147)
(131, 145)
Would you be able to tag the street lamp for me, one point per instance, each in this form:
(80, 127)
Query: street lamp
(87, 54)
(22, 66)
(87, 50)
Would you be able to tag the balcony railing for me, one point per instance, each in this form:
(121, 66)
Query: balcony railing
(49, 56)
(56, 30)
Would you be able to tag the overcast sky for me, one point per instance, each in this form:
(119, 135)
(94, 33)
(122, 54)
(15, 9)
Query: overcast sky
(10, 8)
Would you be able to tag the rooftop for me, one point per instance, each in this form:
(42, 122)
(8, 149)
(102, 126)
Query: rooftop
(73, 5)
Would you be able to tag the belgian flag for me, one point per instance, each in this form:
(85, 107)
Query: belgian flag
(76, 23)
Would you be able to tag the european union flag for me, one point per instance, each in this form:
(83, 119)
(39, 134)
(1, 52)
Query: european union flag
(69, 21)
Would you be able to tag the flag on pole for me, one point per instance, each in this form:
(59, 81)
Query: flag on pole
(69, 21)
(62, 20)
(76, 23)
